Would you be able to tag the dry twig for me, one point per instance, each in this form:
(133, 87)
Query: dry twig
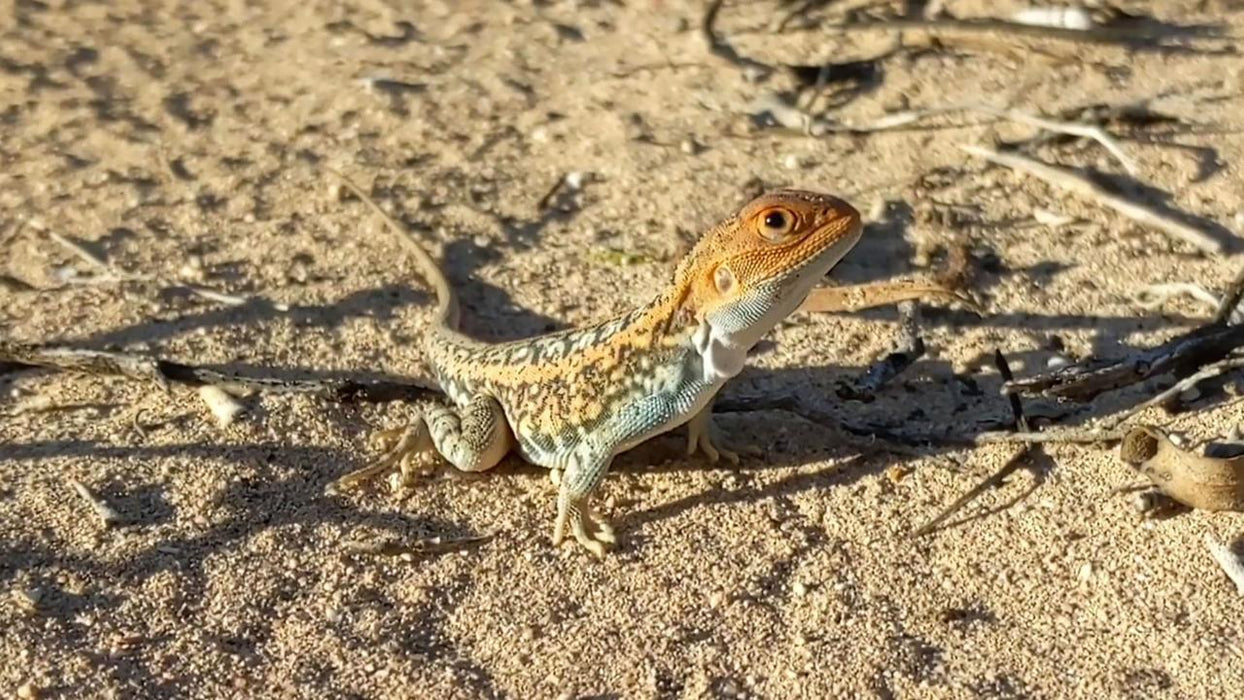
(910, 348)
(165, 372)
(857, 297)
(1137, 36)
(1066, 179)
(1207, 372)
(1089, 131)
(110, 273)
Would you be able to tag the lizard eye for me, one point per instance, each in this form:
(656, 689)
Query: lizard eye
(723, 278)
(776, 224)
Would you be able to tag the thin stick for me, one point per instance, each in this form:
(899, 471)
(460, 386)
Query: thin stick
(164, 373)
(992, 481)
(85, 255)
(1061, 177)
(1067, 435)
(1132, 35)
(111, 273)
(1183, 353)
(1155, 296)
(1089, 131)
(857, 297)
(721, 48)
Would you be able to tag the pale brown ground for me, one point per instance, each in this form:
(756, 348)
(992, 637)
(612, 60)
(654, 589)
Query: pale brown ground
(155, 132)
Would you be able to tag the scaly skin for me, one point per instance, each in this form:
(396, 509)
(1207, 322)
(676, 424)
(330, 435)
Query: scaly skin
(570, 401)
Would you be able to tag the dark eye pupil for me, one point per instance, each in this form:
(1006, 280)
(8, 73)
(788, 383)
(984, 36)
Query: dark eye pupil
(775, 220)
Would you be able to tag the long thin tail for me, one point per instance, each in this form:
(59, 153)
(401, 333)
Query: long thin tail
(446, 300)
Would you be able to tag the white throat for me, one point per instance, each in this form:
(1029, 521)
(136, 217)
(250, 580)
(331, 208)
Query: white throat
(725, 336)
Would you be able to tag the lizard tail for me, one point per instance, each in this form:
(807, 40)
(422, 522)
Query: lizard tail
(446, 300)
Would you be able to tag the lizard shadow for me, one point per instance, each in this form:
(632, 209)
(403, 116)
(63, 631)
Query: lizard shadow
(380, 303)
(490, 313)
(281, 498)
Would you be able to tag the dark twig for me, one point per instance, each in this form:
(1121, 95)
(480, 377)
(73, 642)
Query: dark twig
(1017, 408)
(1183, 354)
(165, 372)
(910, 349)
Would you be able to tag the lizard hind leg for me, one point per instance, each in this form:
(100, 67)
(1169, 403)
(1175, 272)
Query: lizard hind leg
(472, 437)
(398, 446)
(574, 508)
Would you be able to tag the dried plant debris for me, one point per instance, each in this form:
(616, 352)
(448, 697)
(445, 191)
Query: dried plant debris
(1232, 564)
(1025, 455)
(1140, 212)
(1109, 26)
(857, 297)
(1182, 355)
(107, 514)
(1197, 481)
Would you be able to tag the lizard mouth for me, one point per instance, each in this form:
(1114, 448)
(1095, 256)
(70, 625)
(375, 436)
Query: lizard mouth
(827, 258)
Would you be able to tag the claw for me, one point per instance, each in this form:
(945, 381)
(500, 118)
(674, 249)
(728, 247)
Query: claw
(581, 517)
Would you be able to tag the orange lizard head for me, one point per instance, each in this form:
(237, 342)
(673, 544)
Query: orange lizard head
(754, 268)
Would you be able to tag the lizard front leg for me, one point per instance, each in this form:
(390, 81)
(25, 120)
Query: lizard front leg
(700, 436)
(581, 476)
(472, 437)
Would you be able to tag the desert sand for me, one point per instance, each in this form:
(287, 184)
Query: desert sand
(182, 143)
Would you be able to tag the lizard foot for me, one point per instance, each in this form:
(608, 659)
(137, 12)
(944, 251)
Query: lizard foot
(700, 437)
(405, 447)
(590, 530)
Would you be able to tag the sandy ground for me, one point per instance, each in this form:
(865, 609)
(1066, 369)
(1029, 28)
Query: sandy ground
(179, 141)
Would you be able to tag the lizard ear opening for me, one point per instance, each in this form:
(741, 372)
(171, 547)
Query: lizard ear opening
(723, 279)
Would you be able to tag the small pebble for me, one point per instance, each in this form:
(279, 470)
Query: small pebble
(1086, 572)
(799, 588)
(223, 406)
(1057, 361)
(27, 691)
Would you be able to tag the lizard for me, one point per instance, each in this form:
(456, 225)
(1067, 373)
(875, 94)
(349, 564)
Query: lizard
(572, 400)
